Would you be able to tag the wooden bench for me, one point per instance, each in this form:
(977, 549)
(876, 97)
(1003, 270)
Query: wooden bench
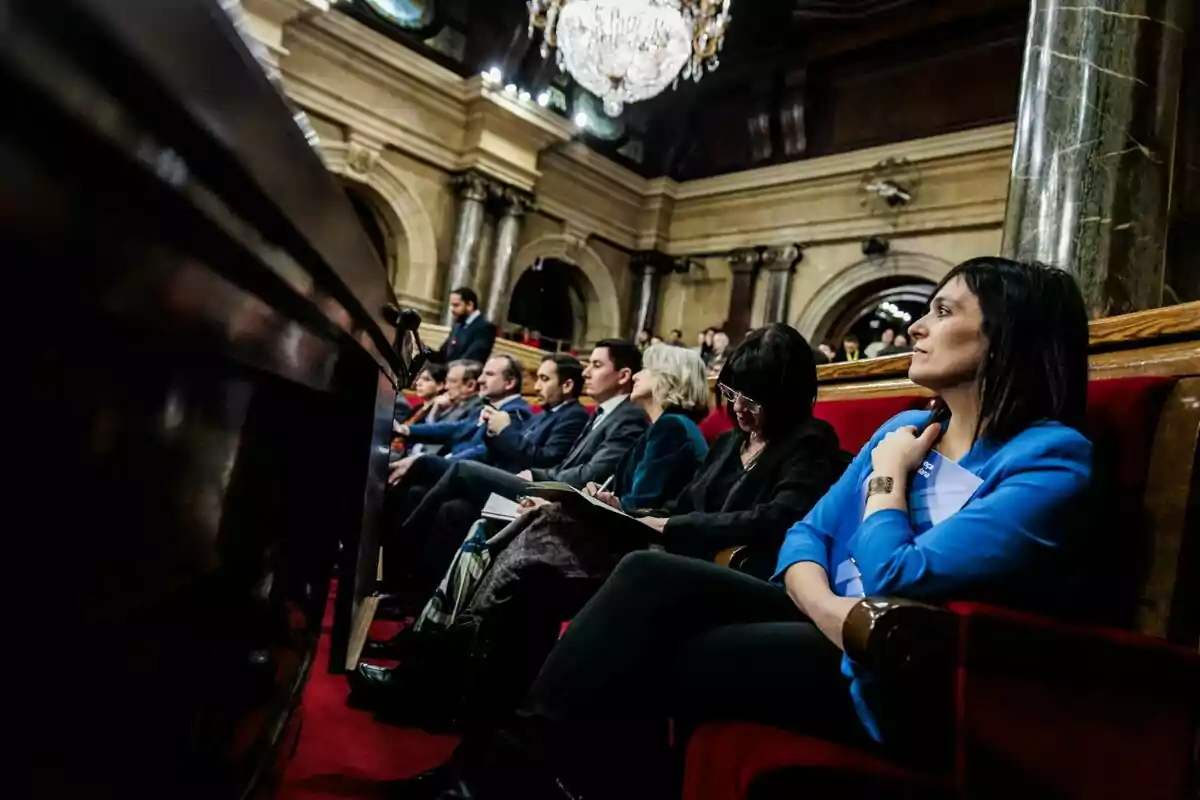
(1038, 707)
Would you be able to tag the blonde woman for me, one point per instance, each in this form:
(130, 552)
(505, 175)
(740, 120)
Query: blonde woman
(673, 391)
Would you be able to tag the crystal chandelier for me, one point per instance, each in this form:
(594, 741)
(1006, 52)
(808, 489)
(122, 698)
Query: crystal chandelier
(624, 51)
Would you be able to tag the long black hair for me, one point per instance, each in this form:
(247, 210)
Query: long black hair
(774, 366)
(1036, 326)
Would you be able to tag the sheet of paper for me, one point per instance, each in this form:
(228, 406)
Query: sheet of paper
(500, 508)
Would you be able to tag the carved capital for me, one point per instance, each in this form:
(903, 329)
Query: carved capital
(362, 154)
(471, 186)
(783, 258)
(651, 262)
(745, 259)
(514, 202)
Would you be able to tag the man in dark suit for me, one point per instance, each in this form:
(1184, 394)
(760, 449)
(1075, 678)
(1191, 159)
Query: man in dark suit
(544, 440)
(432, 534)
(471, 338)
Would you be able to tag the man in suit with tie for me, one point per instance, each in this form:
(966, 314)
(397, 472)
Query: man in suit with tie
(545, 439)
(471, 338)
(432, 534)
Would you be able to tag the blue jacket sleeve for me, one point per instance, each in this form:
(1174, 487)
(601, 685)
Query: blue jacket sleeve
(811, 539)
(668, 450)
(1024, 516)
(441, 432)
(475, 449)
(511, 444)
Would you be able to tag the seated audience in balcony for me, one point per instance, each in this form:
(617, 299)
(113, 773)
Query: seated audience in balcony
(899, 345)
(885, 341)
(472, 336)
(720, 351)
(705, 344)
(458, 401)
(546, 438)
(643, 339)
(431, 535)
(849, 351)
(827, 351)
(757, 479)
(676, 339)
(983, 498)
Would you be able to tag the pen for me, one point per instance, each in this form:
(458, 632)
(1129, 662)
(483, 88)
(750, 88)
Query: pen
(604, 486)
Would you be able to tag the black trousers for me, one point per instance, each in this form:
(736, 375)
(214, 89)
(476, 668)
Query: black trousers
(436, 520)
(670, 637)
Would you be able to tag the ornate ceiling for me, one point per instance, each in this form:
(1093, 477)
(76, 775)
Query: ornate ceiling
(799, 78)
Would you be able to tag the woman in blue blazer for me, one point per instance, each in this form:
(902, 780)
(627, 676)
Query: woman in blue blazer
(981, 498)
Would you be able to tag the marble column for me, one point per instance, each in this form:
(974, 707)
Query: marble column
(780, 264)
(648, 267)
(745, 264)
(473, 194)
(1091, 175)
(508, 233)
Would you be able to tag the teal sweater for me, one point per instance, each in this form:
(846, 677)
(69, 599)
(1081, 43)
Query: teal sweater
(660, 463)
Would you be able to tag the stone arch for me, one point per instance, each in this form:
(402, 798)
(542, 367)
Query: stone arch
(830, 301)
(401, 210)
(599, 289)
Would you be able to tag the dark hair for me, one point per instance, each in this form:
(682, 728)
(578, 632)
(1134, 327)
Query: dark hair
(623, 353)
(513, 371)
(437, 372)
(774, 366)
(471, 369)
(467, 295)
(677, 331)
(568, 369)
(849, 337)
(1036, 327)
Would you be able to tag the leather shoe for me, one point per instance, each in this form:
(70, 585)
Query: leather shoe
(400, 645)
(371, 686)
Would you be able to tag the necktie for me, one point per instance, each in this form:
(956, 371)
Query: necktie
(587, 429)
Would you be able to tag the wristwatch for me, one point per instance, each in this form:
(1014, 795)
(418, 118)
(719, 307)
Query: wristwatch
(880, 485)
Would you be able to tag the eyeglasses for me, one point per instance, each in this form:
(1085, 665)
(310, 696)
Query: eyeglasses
(732, 396)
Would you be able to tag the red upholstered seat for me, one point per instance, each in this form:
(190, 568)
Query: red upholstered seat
(716, 423)
(857, 420)
(1040, 707)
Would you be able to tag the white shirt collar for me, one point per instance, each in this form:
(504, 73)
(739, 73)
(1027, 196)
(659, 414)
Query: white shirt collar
(474, 316)
(610, 405)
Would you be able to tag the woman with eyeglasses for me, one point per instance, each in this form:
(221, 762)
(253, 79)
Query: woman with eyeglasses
(769, 470)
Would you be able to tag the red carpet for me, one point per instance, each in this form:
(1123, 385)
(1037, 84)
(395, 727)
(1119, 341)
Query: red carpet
(344, 752)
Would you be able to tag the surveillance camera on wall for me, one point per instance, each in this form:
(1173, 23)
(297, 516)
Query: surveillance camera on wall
(875, 246)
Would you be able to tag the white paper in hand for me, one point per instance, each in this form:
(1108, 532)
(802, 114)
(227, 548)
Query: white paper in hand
(500, 508)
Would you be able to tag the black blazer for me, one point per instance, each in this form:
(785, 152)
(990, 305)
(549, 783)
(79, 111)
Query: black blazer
(467, 342)
(791, 475)
(542, 441)
(595, 455)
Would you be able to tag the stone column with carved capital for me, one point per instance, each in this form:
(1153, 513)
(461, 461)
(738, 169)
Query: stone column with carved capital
(473, 194)
(514, 204)
(745, 263)
(648, 267)
(780, 263)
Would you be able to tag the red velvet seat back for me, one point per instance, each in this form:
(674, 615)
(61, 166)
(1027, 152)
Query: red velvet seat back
(857, 420)
(1122, 415)
(716, 423)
